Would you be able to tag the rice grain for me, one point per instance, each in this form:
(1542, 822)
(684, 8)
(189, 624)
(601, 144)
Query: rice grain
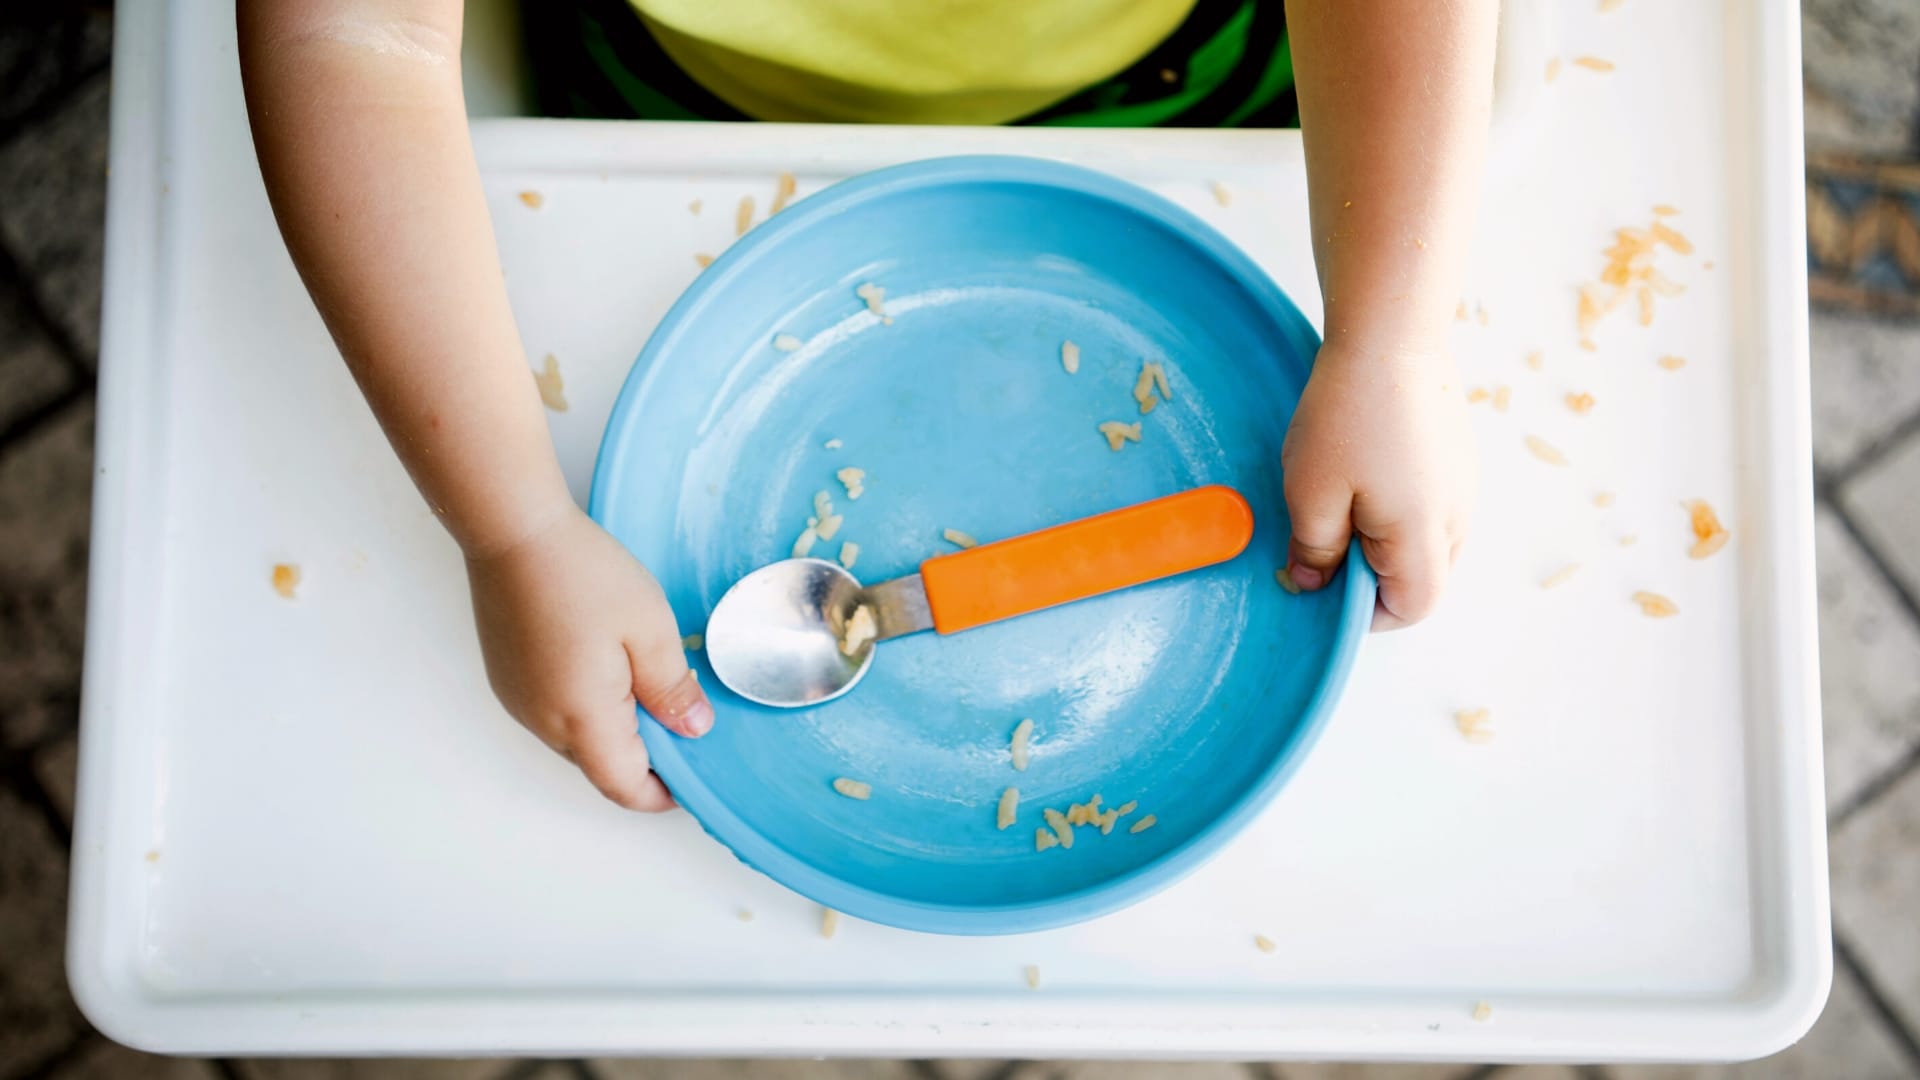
(786, 342)
(1044, 839)
(829, 922)
(1033, 976)
(743, 216)
(958, 538)
(1118, 434)
(854, 480)
(1594, 63)
(552, 387)
(782, 193)
(1021, 745)
(1545, 450)
(1560, 576)
(853, 789)
(286, 580)
(1581, 403)
(1070, 357)
(1009, 808)
(532, 200)
(1144, 824)
(1264, 943)
(849, 554)
(1654, 605)
(1058, 823)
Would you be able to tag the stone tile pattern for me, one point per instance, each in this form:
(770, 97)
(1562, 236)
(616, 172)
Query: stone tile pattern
(1863, 97)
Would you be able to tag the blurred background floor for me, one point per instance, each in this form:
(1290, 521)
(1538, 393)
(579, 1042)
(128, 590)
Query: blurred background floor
(1862, 83)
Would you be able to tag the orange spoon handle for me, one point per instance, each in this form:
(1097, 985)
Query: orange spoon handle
(1095, 555)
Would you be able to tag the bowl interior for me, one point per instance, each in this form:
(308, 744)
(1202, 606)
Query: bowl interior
(1193, 696)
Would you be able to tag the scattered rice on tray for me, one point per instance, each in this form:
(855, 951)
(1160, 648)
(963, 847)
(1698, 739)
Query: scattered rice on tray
(1593, 63)
(1709, 535)
(1545, 450)
(553, 389)
(1472, 724)
(829, 922)
(1119, 434)
(853, 789)
(1560, 576)
(782, 193)
(533, 200)
(286, 580)
(743, 216)
(958, 538)
(1654, 605)
(786, 342)
(1009, 808)
(1021, 745)
(849, 554)
(1264, 943)
(694, 642)
(859, 631)
(1581, 403)
(1144, 824)
(1070, 357)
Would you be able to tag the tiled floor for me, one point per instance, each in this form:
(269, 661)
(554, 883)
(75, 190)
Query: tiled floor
(1863, 92)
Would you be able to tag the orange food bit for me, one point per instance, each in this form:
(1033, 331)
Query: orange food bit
(1581, 403)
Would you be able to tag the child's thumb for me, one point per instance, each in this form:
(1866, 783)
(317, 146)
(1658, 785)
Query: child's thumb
(667, 689)
(1322, 516)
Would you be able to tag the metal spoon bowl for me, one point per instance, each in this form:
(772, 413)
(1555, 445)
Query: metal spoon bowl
(775, 637)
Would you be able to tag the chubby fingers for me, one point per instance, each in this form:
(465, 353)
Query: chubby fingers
(1321, 509)
(1412, 565)
(666, 688)
(608, 751)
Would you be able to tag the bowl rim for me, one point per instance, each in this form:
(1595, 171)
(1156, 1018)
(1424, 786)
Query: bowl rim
(1358, 583)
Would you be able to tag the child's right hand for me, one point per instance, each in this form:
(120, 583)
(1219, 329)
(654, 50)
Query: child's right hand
(576, 633)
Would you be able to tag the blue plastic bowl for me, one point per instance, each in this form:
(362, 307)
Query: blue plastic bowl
(1196, 697)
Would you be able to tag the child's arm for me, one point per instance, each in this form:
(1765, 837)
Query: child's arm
(361, 130)
(1394, 99)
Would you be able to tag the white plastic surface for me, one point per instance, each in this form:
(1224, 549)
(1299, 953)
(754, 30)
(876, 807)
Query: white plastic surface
(307, 827)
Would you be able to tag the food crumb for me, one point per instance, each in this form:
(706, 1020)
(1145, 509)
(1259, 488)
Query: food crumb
(1654, 605)
(694, 208)
(782, 193)
(743, 216)
(1460, 313)
(1221, 195)
(694, 642)
(1118, 433)
(1152, 378)
(1670, 236)
(286, 579)
(1537, 360)
(1480, 314)
(1477, 395)
(1009, 808)
(828, 526)
(1044, 839)
(1553, 69)
(861, 630)
(1629, 540)
(1264, 943)
(1033, 976)
(804, 545)
(1560, 576)
(744, 914)
(1709, 535)
(832, 444)
(876, 299)
(854, 480)
(1545, 450)
(1020, 746)
(1603, 500)
(153, 855)
(958, 538)
(1070, 357)
(1286, 580)
(1057, 821)
(552, 387)
(1672, 363)
(1482, 1011)
(1609, 5)
(702, 261)
(1663, 210)
(532, 200)
(1502, 398)
(849, 553)
(786, 342)
(1594, 63)
(829, 922)
(853, 789)
(1581, 403)
(1472, 724)
(1144, 824)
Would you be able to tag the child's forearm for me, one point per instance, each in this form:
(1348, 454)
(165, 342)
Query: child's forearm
(361, 131)
(1394, 98)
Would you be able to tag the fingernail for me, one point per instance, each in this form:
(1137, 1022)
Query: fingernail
(699, 719)
(1307, 577)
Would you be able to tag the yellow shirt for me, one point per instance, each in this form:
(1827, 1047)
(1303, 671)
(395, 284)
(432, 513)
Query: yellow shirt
(905, 61)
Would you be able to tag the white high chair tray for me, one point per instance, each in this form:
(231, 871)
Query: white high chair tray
(307, 827)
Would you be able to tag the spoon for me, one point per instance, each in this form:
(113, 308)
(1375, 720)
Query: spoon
(802, 631)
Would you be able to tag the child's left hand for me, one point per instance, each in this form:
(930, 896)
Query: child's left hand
(1380, 445)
